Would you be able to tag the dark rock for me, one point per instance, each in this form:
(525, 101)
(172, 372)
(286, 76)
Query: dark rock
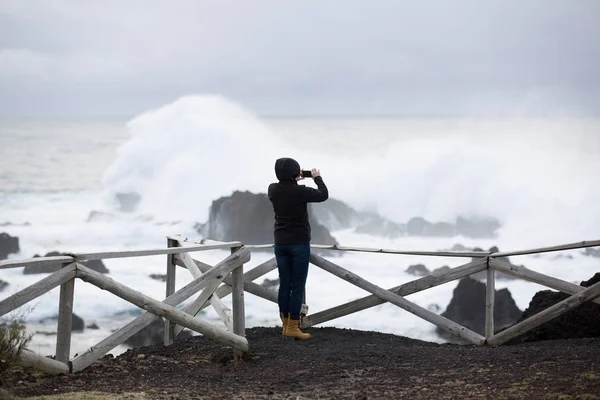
(93, 326)
(95, 265)
(441, 229)
(270, 283)
(482, 276)
(77, 324)
(153, 334)
(467, 308)
(580, 322)
(592, 252)
(8, 245)
(417, 226)
(128, 202)
(159, 277)
(594, 279)
(335, 215)
(249, 218)
(434, 308)
(477, 227)
(378, 226)
(3, 285)
(8, 223)
(440, 271)
(417, 270)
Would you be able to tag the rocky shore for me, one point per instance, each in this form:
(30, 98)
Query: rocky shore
(335, 363)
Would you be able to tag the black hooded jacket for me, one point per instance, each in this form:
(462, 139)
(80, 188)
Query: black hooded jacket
(290, 202)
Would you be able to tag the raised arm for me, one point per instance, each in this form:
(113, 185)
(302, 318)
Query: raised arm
(317, 195)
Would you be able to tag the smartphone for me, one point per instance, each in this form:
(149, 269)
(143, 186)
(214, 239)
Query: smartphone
(306, 174)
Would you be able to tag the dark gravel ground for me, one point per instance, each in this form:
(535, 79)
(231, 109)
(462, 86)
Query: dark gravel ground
(340, 364)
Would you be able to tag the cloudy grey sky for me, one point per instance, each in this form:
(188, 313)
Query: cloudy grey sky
(436, 57)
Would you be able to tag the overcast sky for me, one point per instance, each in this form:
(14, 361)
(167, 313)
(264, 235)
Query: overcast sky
(460, 57)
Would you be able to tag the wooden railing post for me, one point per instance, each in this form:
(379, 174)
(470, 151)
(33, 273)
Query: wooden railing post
(237, 304)
(65, 321)
(171, 270)
(490, 295)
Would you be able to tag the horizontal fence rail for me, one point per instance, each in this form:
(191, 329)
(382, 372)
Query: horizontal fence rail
(212, 283)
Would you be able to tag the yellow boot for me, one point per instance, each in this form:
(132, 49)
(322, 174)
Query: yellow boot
(284, 322)
(292, 330)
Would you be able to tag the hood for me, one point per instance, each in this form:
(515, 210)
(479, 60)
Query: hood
(287, 169)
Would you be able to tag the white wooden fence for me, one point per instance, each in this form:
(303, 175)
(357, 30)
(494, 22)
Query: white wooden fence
(227, 277)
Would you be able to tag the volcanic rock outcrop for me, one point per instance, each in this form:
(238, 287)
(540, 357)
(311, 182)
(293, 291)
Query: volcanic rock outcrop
(249, 218)
(580, 322)
(8, 245)
(467, 308)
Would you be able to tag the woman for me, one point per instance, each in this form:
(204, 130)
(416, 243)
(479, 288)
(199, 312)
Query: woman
(292, 238)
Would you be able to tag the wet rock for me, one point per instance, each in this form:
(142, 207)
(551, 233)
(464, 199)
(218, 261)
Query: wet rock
(153, 334)
(480, 227)
(580, 322)
(128, 202)
(93, 326)
(3, 285)
(592, 252)
(78, 324)
(95, 265)
(467, 308)
(249, 218)
(8, 245)
(272, 284)
(335, 215)
(417, 270)
(440, 271)
(434, 308)
(159, 277)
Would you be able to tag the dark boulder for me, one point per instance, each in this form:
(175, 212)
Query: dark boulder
(153, 334)
(77, 324)
(417, 270)
(158, 277)
(335, 215)
(467, 308)
(417, 226)
(592, 252)
(376, 225)
(271, 284)
(8, 245)
(479, 227)
(580, 322)
(95, 265)
(440, 271)
(249, 218)
(3, 285)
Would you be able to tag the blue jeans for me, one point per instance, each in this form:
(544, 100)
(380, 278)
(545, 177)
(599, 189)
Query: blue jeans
(292, 263)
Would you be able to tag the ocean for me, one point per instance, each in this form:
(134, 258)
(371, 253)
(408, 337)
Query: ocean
(58, 180)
